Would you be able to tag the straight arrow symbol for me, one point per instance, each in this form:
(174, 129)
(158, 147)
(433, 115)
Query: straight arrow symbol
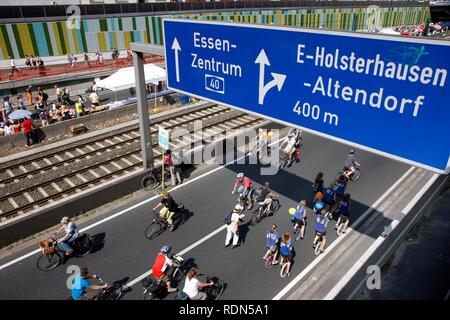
(176, 47)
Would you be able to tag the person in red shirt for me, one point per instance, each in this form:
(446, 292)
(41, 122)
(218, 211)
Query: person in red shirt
(27, 126)
(162, 265)
(169, 163)
(244, 186)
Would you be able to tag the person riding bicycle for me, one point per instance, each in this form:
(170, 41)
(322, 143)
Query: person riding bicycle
(272, 243)
(266, 196)
(321, 229)
(340, 185)
(318, 183)
(288, 146)
(349, 164)
(286, 250)
(169, 209)
(244, 186)
(344, 210)
(298, 219)
(80, 283)
(192, 285)
(162, 266)
(71, 235)
(330, 199)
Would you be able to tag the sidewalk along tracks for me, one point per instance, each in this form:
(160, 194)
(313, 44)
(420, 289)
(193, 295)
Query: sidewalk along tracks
(336, 269)
(42, 182)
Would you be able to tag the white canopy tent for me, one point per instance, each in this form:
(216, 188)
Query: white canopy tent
(124, 78)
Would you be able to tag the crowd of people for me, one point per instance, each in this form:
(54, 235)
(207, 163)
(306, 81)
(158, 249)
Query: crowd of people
(422, 30)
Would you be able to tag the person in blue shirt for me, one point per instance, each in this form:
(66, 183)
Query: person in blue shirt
(272, 242)
(341, 184)
(344, 210)
(80, 283)
(298, 219)
(286, 250)
(329, 198)
(321, 229)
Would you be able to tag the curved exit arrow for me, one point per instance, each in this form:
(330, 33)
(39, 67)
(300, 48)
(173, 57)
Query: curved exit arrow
(278, 78)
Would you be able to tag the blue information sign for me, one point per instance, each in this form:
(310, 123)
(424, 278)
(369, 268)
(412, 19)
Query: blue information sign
(389, 95)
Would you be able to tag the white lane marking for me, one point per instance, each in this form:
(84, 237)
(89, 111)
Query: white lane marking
(349, 275)
(339, 239)
(182, 252)
(134, 206)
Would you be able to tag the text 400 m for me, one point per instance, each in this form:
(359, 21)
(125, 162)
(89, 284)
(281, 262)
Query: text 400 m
(313, 111)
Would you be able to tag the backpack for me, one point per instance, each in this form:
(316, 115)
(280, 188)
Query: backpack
(227, 218)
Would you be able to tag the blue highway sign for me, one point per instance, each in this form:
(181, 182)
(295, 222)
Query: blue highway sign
(388, 95)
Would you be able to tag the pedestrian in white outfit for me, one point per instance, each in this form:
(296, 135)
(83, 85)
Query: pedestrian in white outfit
(233, 227)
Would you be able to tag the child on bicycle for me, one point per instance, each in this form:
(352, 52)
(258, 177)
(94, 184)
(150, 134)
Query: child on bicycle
(344, 210)
(272, 243)
(286, 250)
(298, 219)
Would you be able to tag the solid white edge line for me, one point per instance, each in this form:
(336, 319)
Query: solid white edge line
(286, 289)
(135, 206)
(363, 259)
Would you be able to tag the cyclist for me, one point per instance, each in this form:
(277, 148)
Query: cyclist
(349, 164)
(162, 266)
(244, 186)
(286, 248)
(265, 196)
(318, 183)
(344, 210)
(272, 243)
(169, 209)
(290, 142)
(71, 235)
(321, 229)
(340, 185)
(80, 283)
(192, 285)
(330, 199)
(298, 219)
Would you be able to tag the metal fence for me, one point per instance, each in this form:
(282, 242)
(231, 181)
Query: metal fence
(42, 13)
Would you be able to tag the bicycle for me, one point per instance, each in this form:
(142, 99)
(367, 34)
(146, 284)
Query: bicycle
(53, 255)
(263, 211)
(318, 244)
(242, 200)
(340, 229)
(112, 292)
(284, 268)
(268, 263)
(297, 229)
(153, 179)
(157, 289)
(159, 225)
(354, 176)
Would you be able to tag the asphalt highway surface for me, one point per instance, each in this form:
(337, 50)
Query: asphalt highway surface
(123, 253)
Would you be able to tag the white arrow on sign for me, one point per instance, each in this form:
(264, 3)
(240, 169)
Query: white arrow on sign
(278, 79)
(176, 47)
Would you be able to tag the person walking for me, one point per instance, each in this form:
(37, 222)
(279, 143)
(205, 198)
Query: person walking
(27, 126)
(20, 103)
(30, 94)
(233, 227)
(169, 163)
(7, 107)
(12, 64)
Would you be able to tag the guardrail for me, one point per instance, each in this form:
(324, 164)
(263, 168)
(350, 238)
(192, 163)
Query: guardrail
(57, 12)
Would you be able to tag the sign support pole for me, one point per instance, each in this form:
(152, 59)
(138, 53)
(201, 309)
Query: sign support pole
(144, 120)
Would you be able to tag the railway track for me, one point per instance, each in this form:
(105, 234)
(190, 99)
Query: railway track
(44, 178)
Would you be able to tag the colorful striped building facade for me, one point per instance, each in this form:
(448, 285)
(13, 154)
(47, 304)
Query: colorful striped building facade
(55, 38)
